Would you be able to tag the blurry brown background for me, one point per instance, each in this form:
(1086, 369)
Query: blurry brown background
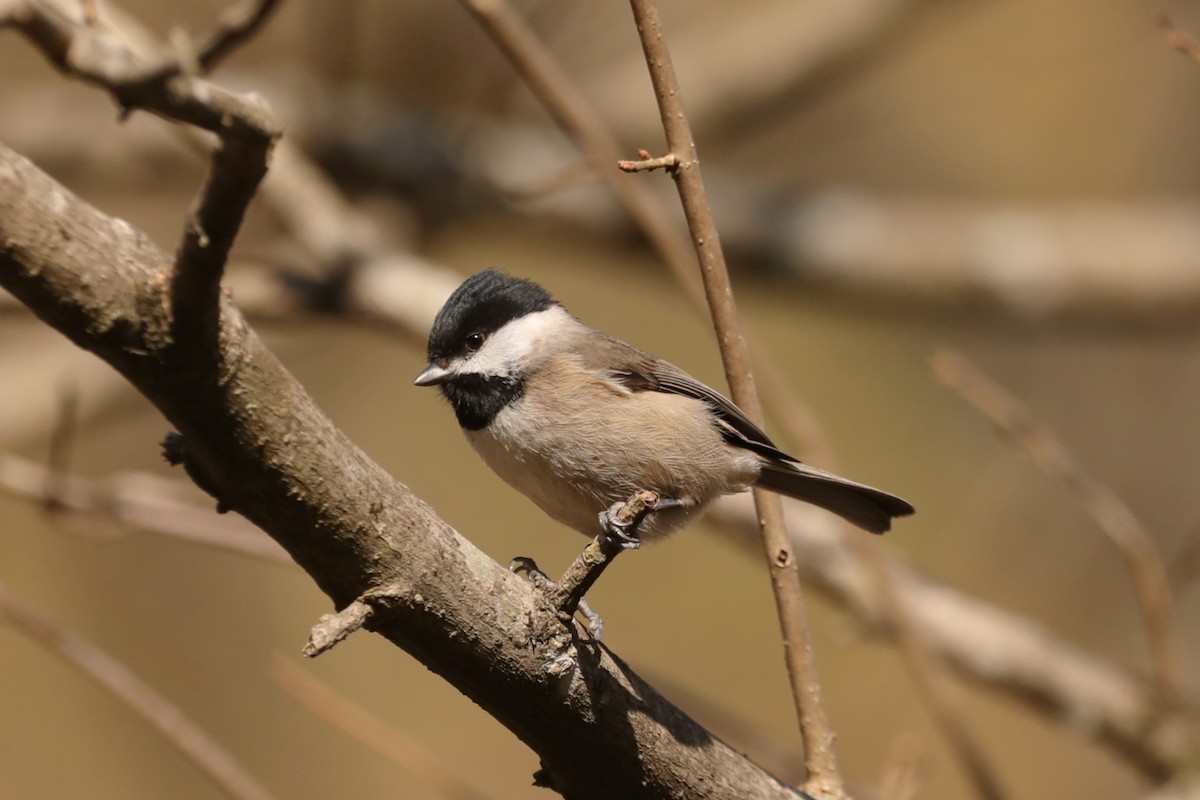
(1013, 101)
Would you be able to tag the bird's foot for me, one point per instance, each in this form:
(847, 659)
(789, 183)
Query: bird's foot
(524, 565)
(620, 521)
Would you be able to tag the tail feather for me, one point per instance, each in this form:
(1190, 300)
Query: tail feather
(868, 508)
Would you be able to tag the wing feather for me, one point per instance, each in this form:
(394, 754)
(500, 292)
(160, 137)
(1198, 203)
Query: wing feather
(638, 371)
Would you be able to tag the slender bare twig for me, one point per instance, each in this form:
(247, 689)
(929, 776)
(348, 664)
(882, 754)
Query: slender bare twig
(140, 501)
(99, 54)
(62, 438)
(237, 24)
(217, 764)
(943, 699)
(392, 743)
(332, 629)
(1092, 697)
(599, 553)
(669, 162)
(823, 776)
(1118, 522)
(584, 125)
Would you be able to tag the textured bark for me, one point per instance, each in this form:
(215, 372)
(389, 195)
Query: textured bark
(259, 443)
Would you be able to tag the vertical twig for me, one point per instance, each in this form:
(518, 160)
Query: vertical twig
(823, 777)
(1151, 583)
(584, 125)
(62, 439)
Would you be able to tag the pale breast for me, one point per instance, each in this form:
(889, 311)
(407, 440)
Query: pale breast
(598, 443)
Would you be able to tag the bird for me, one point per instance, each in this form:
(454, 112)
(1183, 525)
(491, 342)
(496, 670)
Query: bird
(579, 421)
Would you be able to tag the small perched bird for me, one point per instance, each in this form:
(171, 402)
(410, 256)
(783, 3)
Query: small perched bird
(578, 421)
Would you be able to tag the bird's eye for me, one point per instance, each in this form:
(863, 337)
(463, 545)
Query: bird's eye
(474, 342)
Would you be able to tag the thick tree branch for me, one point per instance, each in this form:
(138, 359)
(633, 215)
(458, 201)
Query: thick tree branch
(274, 457)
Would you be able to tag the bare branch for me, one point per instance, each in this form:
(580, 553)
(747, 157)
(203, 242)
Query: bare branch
(100, 54)
(669, 162)
(140, 501)
(183, 734)
(385, 739)
(820, 762)
(333, 628)
(1118, 522)
(276, 459)
(987, 645)
(585, 570)
(237, 24)
(586, 127)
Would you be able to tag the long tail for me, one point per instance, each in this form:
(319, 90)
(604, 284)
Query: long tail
(869, 509)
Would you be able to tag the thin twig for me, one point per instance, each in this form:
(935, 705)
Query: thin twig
(117, 679)
(1118, 522)
(237, 24)
(599, 553)
(138, 500)
(943, 699)
(669, 162)
(580, 121)
(1092, 697)
(62, 439)
(395, 745)
(332, 629)
(823, 777)
(101, 55)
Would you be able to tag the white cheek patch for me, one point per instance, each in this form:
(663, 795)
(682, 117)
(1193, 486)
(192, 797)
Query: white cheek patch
(511, 349)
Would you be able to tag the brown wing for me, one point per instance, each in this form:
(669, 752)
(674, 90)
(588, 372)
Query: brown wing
(867, 507)
(641, 372)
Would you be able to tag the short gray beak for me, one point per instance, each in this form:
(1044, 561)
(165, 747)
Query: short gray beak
(432, 376)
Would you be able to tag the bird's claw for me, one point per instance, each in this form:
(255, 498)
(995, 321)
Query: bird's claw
(524, 565)
(622, 529)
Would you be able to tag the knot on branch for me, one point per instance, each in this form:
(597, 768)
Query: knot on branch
(669, 162)
(176, 453)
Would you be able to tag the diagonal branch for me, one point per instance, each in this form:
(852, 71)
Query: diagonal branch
(274, 457)
(113, 676)
(994, 648)
(237, 24)
(1118, 522)
(369, 730)
(90, 49)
